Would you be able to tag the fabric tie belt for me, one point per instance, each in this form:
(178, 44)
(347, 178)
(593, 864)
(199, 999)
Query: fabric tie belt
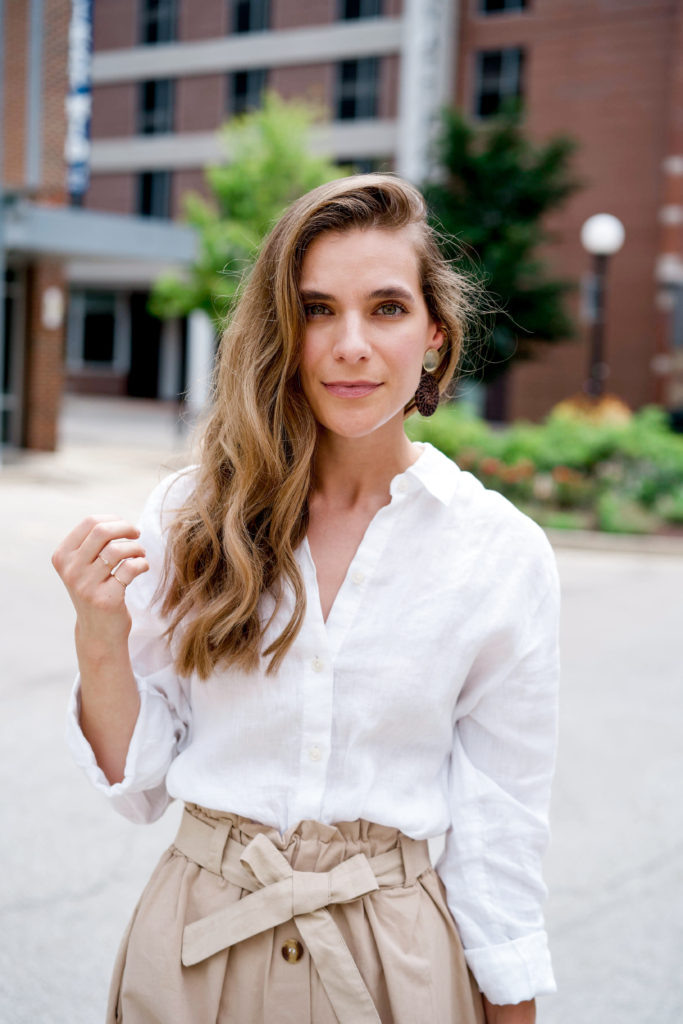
(278, 893)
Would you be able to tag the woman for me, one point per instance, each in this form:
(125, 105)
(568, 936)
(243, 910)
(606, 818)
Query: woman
(331, 644)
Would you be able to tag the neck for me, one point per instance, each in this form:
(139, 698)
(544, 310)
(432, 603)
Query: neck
(349, 471)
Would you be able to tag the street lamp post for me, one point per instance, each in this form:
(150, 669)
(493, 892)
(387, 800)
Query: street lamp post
(602, 235)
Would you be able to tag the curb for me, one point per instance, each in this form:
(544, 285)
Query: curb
(629, 543)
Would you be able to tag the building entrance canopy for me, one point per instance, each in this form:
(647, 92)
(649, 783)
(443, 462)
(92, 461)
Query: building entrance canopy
(70, 233)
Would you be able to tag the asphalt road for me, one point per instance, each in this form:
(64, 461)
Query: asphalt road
(72, 869)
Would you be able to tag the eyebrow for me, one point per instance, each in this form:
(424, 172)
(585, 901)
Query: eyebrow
(389, 292)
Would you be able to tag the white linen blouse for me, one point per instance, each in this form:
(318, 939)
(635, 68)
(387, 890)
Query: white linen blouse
(426, 702)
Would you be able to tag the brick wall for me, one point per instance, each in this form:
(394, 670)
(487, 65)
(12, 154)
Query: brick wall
(200, 103)
(14, 113)
(302, 13)
(312, 82)
(44, 360)
(208, 19)
(56, 14)
(113, 193)
(389, 84)
(115, 24)
(186, 181)
(581, 80)
(114, 110)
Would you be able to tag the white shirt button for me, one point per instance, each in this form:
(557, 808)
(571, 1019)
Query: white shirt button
(314, 753)
(318, 664)
(402, 486)
(358, 578)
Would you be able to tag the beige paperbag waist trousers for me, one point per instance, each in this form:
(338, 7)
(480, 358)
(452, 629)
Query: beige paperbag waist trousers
(326, 923)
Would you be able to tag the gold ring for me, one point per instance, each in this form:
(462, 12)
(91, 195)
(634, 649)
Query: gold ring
(124, 585)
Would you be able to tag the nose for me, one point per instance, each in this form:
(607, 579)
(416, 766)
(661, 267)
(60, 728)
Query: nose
(351, 344)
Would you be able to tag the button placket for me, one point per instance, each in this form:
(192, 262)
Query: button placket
(316, 725)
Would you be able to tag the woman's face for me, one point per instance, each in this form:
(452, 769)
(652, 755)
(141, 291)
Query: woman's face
(367, 329)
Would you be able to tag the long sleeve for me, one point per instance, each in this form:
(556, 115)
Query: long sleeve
(163, 723)
(501, 769)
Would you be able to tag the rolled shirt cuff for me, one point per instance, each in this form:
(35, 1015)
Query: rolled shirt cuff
(513, 971)
(141, 795)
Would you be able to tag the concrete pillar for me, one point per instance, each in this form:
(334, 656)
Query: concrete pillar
(427, 74)
(169, 359)
(201, 348)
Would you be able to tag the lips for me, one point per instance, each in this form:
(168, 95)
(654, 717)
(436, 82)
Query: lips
(351, 389)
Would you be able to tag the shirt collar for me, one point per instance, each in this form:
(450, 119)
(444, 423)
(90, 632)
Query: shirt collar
(436, 472)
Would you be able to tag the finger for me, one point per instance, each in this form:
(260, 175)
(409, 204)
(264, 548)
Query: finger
(71, 543)
(74, 539)
(102, 533)
(128, 570)
(113, 552)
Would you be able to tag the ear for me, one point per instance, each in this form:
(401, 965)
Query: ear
(437, 335)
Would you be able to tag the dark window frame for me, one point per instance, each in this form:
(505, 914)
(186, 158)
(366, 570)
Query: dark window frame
(249, 16)
(245, 90)
(357, 10)
(357, 88)
(158, 22)
(493, 88)
(154, 194)
(156, 103)
(99, 306)
(506, 7)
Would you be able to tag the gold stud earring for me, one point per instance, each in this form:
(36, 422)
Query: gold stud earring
(431, 360)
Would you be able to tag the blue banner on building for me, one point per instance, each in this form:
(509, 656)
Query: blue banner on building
(79, 100)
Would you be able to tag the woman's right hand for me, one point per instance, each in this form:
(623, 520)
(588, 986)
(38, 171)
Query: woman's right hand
(96, 562)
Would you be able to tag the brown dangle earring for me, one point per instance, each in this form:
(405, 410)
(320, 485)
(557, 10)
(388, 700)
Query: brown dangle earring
(427, 394)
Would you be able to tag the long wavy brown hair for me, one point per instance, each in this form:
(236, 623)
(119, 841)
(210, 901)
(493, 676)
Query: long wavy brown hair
(235, 537)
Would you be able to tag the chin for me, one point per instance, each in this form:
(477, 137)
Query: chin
(357, 427)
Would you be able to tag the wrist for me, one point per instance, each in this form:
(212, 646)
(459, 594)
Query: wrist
(512, 1013)
(98, 648)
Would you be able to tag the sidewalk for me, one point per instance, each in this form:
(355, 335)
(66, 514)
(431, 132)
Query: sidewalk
(73, 869)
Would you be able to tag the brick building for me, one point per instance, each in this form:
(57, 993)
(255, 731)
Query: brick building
(167, 73)
(44, 240)
(611, 75)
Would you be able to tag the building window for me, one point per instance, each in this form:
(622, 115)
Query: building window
(501, 6)
(357, 88)
(363, 164)
(250, 15)
(498, 79)
(245, 90)
(157, 21)
(349, 10)
(154, 194)
(99, 321)
(155, 113)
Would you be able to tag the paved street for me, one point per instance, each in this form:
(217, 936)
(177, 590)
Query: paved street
(72, 869)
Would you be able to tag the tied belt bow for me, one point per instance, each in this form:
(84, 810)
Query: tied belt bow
(277, 893)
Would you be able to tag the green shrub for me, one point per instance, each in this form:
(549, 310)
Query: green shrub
(622, 477)
(617, 513)
(670, 507)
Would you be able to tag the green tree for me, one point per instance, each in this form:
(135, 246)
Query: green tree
(494, 190)
(268, 164)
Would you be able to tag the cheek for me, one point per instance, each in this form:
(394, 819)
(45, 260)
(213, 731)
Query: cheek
(408, 357)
